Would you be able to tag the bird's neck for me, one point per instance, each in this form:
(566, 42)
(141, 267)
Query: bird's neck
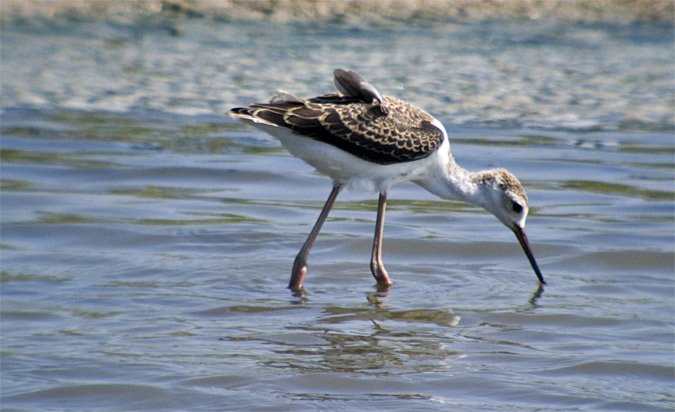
(452, 182)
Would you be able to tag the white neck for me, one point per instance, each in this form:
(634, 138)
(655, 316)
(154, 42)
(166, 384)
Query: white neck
(452, 182)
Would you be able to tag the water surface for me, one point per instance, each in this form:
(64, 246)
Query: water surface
(147, 239)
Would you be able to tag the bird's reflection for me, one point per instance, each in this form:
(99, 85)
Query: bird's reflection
(536, 295)
(300, 295)
(377, 297)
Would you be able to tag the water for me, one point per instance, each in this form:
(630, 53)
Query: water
(147, 239)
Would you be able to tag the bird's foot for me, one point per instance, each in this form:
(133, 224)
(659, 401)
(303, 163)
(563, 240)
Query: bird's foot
(380, 274)
(297, 275)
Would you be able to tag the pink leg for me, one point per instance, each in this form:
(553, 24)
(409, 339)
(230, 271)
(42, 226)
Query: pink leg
(300, 264)
(376, 265)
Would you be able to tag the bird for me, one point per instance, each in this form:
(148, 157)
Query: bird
(366, 141)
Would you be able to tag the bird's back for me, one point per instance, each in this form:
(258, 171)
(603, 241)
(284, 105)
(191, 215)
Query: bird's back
(380, 130)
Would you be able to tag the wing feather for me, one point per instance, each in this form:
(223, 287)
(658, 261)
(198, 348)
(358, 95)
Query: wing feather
(382, 130)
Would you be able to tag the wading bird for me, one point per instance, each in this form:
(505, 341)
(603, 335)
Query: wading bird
(365, 141)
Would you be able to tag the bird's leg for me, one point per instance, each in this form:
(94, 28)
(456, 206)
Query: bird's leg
(300, 264)
(376, 265)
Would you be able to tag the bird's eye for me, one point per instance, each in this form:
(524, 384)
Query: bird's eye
(517, 207)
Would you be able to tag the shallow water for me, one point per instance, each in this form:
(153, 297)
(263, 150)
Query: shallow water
(147, 239)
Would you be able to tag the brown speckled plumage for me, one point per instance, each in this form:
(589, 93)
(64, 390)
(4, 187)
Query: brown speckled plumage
(385, 131)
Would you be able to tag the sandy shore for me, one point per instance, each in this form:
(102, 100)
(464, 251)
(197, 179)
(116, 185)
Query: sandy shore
(346, 10)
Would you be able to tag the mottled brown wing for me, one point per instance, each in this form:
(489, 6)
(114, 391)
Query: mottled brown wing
(397, 132)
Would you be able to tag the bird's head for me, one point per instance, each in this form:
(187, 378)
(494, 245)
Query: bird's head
(504, 196)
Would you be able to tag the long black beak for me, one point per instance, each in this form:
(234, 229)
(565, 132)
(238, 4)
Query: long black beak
(522, 238)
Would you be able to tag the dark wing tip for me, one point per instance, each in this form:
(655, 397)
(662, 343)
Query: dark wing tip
(238, 111)
(260, 113)
(351, 84)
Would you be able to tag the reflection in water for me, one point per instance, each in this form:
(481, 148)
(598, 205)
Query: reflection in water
(338, 341)
(536, 295)
(384, 351)
(301, 295)
(438, 317)
(376, 298)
